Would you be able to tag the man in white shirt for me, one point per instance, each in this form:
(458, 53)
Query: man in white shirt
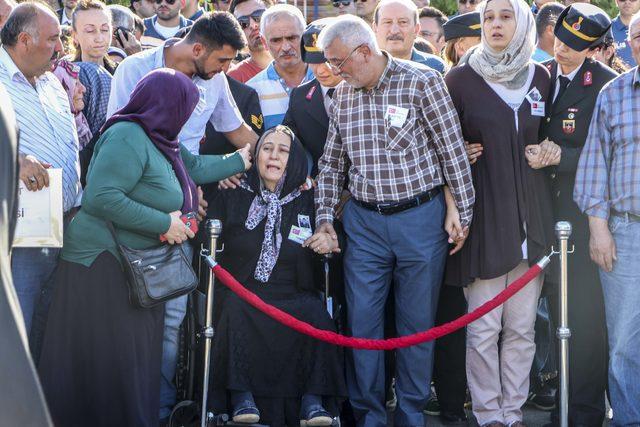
(212, 42)
(166, 23)
(48, 135)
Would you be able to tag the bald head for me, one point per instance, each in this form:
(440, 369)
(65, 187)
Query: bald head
(25, 18)
(31, 36)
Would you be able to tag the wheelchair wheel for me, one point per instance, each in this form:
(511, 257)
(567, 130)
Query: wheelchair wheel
(185, 414)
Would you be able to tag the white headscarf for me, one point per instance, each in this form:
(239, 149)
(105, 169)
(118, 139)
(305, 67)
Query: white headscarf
(509, 67)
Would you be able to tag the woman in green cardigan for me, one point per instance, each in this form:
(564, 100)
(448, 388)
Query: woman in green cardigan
(100, 363)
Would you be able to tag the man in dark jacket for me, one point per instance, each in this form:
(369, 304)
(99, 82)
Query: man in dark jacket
(576, 80)
(309, 103)
(22, 401)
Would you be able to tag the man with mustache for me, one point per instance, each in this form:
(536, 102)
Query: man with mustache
(48, 138)
(282, 27)
(396, 25)
(395, 135)
(249, 13)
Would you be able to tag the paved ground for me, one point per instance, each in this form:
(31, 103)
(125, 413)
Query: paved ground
(532, 417)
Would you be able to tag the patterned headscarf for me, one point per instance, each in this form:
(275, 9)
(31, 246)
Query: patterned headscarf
(269, 204)
(509, 67)
(68, 72)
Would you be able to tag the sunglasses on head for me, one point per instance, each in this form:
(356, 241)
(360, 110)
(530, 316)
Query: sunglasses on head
(170, 2)
(345, 3)
(245, 20)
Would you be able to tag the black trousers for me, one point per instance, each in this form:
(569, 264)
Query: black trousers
(449, 373)
(588, 351)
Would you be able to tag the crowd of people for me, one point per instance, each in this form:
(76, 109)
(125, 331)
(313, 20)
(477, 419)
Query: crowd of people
(429, 155)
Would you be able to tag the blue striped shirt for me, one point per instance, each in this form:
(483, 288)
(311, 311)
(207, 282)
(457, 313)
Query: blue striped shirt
(608, 176)
(47, 127)
(273, 93)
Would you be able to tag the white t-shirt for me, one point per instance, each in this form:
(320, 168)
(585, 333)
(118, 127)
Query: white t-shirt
(166, 32)
(216, 103)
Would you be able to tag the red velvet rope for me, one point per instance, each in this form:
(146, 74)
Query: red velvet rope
(372, 344)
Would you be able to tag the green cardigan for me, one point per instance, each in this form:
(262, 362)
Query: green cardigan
(131, 183)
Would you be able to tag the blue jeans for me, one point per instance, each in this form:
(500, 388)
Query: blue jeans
(174, 312)
(621, 289)
(409, 247)
(31, 269)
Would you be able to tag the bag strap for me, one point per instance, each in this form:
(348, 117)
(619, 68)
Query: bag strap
(112, 231)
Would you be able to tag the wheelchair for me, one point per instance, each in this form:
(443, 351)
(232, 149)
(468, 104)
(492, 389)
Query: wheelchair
(196, 336)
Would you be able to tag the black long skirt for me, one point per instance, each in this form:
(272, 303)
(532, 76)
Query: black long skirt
(100, 363)
(252, 352)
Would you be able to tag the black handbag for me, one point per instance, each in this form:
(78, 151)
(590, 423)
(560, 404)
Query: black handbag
(157, 274)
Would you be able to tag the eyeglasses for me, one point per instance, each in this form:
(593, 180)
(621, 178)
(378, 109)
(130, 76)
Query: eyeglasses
(332, 62)
(170, 2)
(345, 3)
(245, 20)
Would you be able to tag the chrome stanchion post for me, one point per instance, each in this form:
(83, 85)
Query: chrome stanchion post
(328, 300)
(214, 228)
(563, 232)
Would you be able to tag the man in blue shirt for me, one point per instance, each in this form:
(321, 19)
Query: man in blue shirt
(545, 22)
(282, 27)
(396, 25)
(620, 29)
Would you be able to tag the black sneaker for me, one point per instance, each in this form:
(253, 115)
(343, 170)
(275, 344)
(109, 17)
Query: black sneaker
(454, 418)
(433, 407)
(544, 399)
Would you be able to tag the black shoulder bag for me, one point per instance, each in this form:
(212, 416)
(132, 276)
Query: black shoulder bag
(157, 274)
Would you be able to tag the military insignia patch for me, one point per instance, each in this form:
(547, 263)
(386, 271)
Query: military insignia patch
(257, 120)
(568, 126)
(587, 79)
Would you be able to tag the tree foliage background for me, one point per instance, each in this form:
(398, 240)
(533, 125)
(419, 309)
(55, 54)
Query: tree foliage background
(449, 7)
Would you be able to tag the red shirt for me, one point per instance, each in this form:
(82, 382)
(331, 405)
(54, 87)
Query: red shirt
(245, 70)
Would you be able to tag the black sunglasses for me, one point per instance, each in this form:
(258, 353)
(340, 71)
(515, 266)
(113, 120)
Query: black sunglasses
(345, 3)
(471, 2)
(167, 1)
(245, 20)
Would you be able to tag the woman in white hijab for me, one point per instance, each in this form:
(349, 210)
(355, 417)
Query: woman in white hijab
(500, 97)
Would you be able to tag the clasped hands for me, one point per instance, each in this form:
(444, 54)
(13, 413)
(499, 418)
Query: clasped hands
(539, 156)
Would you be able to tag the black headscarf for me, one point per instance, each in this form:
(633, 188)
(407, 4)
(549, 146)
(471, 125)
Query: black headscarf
(268, 204)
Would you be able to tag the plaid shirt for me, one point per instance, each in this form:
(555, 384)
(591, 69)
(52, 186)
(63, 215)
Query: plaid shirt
(388, 163)
(608, 175)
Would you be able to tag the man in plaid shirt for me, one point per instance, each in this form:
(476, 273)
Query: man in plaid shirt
(607, 190)
(393, 129)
